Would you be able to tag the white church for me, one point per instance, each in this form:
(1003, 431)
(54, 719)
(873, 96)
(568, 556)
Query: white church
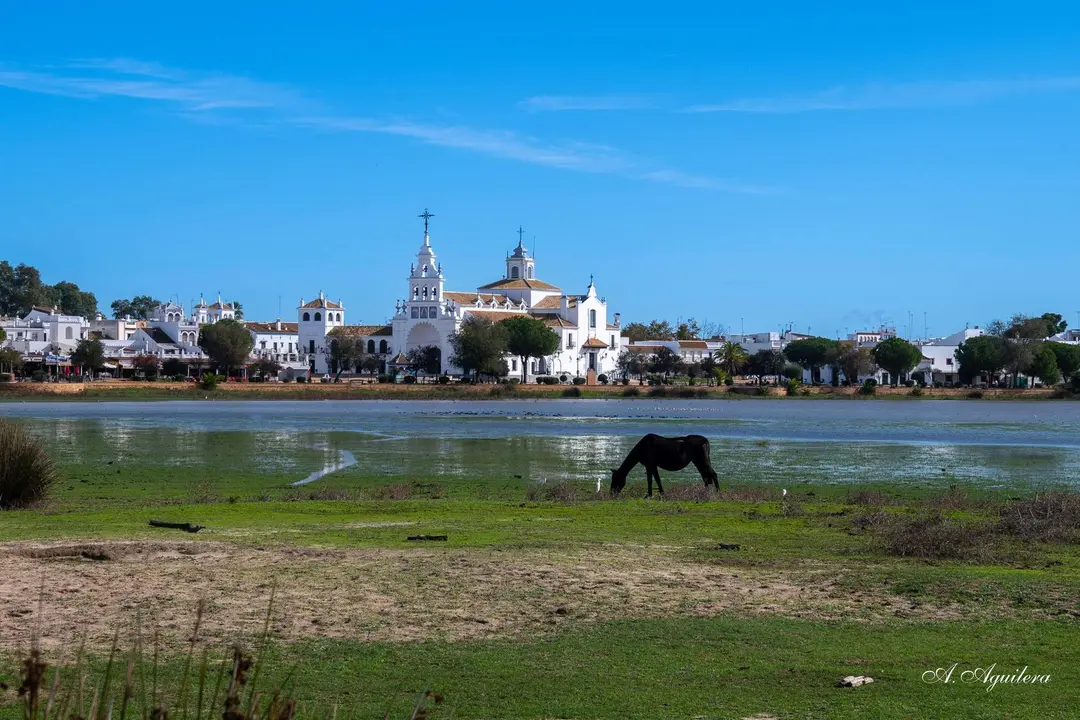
(429, 315)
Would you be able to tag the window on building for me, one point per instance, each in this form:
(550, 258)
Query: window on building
(67, 333)
(433, 311)
(425, 292)
(569, 340)
(318, 317)
(307, 316)
(262, 344)
(415, 293)
(382, 346)
(275, 347)
(514, 273)
(415, 312)
(513, 365)
(948, 361)
(423, 312)
(311, 346)
(371, 347)
(612, 341)
(530, 273)
(434, 293)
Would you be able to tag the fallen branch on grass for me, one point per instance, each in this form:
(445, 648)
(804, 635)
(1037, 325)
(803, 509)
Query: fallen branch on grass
(440, 538)
(186, 527)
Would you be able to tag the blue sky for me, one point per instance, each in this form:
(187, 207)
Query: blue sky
(831, 166)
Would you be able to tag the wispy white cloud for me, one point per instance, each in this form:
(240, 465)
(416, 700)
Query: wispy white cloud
(561, 103)
(880, 96)
(214, 98)
(190, 92)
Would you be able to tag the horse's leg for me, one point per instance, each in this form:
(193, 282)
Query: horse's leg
(658, 485)
(648, 479)
(708, 475)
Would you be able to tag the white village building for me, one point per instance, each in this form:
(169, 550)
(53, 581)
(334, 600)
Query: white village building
(589, 345)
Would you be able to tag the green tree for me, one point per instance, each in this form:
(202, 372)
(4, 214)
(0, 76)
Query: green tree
(89, 355)
(1044, 365)
(854, 361)
(666, 362)
(528, 337)
(149, 365)
(689, 330)
(171, 367)
(29, 290)
(3, 335)
(732, 357)
(630, 363)
(1068, 357)
(1054, 323)
(73, 301)
(7, 289)
(985, 355)
(897, 356)
(478, 346)
(138, 308)
(426, 359)
(810, 353)
(342, 352)
(228, 344)
(654, 330)
(264, 367)
(765, 363)
(10, 359)
(370, 363)
(239, 309)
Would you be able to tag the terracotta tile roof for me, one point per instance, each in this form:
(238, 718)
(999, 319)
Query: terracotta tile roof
(694, 344)
(363, 330)
(548, 303)
(556, 322)
(493, 315)
(321, 303)
(644, 348)
(613, 327)
(594, 343)
(290, 328)
(518, 284)
(222, 306)
(468, 298)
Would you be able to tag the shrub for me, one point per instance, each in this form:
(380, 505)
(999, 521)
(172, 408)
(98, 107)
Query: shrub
(919, 376)
(939, 384)
(409, 380)
(602, 379)
(868, 388)
(909, 383)
(658, 392)
(26, 471)
(385, 378)
(5, 377)
(572, 391)
(975, 394)
(1074, 383)
(210, 381)
(579, 381)
(793, 385)
(301, 379)
(916, 392)
(1048, 517)
(932, 536)
(563, 378)
(792, 372)
(562, 491)
(729, 381)
(444, 379)
(513, 382)
(395, 491)
(762, 390)
(38, 376)
(631, 392)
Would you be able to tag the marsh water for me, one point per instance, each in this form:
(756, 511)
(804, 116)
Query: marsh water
(999, 444)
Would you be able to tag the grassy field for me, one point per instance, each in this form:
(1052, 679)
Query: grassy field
(546, 600)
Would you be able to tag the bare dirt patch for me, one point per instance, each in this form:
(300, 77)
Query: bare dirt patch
(390, 594)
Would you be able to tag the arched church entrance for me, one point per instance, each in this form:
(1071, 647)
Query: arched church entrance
(426, 335)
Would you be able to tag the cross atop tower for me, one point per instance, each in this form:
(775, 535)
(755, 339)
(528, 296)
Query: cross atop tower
(427, 216)
(521, 235)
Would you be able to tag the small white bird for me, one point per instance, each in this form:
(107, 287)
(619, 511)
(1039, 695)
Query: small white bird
(597, 484)
(784, 492)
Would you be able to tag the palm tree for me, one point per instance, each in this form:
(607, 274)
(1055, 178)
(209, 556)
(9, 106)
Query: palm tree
(732, 357)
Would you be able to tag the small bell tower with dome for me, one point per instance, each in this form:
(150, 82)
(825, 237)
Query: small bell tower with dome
(425, 278)
(519, 265)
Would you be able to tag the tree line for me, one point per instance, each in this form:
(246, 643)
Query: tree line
(21, 288)
(1018, 346)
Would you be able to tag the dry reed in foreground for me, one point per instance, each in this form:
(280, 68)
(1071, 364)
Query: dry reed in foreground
(74, 693)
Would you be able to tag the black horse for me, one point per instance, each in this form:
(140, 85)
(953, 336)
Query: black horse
(668, 453)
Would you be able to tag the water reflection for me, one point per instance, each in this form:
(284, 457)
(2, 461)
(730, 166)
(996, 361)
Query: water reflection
(345, 459)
